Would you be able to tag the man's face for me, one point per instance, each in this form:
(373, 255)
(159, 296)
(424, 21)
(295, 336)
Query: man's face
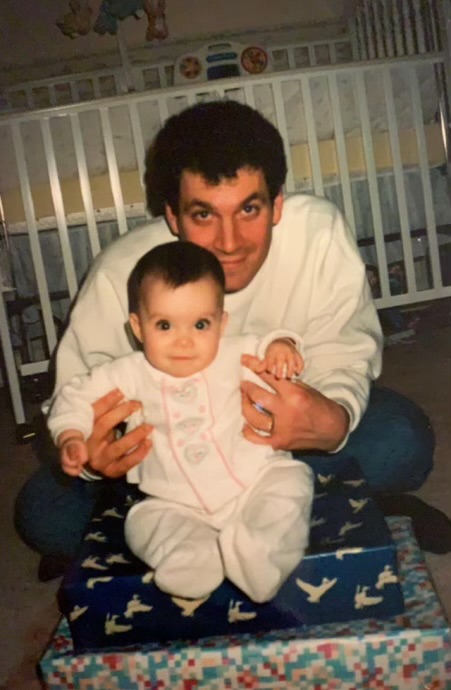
(180, 328)
(233, 220)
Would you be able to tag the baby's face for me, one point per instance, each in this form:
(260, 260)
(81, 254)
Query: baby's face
(179, 328)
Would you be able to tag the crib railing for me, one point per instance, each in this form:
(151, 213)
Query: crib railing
(393, 28)
(168, 101)
(85, 86)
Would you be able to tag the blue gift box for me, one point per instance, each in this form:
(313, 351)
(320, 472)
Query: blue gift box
(350, 572)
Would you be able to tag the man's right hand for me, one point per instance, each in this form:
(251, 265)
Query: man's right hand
(110, 457)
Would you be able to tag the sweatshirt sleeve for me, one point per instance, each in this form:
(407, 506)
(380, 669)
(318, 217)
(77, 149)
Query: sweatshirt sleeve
(96, 332)
(72, 408)
(343, 339)
(280, 333)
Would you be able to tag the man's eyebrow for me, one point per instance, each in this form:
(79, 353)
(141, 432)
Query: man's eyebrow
(187, 206)
(199, 203)
(255, 196)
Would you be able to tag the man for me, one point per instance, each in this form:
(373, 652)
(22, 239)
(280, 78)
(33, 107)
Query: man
(215, 173)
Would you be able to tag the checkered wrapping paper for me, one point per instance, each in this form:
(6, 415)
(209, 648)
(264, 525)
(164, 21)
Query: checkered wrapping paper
(408, 652)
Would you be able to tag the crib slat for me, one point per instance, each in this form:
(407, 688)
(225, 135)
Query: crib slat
(399, 183)
(163, 108)
(379, 30)
(398, 26)
(162, 76)
(333, 52)
(52, 95)
(291, 58)
(113, 170)
(138, 139)
(433, 24)
(362, 101)
(191, 98)
(58, 206)
(363, 53)
(96, 86)
(221, 92)
(249, 95)
(341, 151)
(369, 30)
(29, 97)
(74, 91)
(282, 127)
(311, 56)
(85, 187)
(419, 27)
(315, 161)
(407, 27)
(426, 180)
(119, 81)
(32, 230)
(10, 365)
(388, 27)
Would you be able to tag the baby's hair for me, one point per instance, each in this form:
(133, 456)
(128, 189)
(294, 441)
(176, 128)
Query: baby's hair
(175, 263)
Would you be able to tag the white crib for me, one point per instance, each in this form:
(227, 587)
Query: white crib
(372, 136)
(85, 86)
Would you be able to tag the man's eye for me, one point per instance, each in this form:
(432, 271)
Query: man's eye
(201, 215)
(163, 325)
(250, 209)
(202, 324)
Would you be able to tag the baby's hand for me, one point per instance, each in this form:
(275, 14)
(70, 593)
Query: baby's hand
(281, 359)
(73, 453)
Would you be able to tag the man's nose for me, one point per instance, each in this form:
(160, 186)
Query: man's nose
(228, 238)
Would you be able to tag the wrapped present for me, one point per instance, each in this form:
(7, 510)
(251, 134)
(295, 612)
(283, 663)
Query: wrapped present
(350, 572)
(405, 652)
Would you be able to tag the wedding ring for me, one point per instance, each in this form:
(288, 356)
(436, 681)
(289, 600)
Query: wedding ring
(265, 432)
(271, 425)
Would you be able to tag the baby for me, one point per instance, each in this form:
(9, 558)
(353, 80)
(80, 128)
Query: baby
(217, 504)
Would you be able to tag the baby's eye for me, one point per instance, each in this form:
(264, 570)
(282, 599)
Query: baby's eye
(202, 324)
(163, 325)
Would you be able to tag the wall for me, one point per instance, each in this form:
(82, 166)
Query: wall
(32, 46)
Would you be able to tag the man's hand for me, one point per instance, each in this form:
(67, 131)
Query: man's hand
(109, 457)
(73, 452)
(300, 417)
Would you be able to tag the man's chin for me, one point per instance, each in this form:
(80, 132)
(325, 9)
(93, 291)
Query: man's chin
(235, 285)
(236, 280)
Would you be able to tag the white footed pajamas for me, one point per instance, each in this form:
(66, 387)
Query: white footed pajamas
(256, 540)
(218, 505)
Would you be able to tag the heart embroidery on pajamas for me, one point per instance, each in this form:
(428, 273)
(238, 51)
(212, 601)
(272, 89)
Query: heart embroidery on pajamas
(195, 453)
(185, 394)
(189, 426)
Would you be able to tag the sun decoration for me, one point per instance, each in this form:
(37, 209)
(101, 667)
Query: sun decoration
(190, 67)
(254, 60)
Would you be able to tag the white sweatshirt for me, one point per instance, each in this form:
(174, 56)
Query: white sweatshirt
(313, 282)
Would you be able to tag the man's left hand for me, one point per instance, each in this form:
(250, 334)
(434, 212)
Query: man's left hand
(294, 417)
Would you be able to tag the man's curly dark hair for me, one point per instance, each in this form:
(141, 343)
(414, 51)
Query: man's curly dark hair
(214, 139)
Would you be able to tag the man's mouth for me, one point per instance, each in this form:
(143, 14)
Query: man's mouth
(231, 264)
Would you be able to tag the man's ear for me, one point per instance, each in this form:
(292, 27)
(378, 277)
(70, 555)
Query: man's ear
(135, 325)
(224, 321)
(277, 208)
(171, 220)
